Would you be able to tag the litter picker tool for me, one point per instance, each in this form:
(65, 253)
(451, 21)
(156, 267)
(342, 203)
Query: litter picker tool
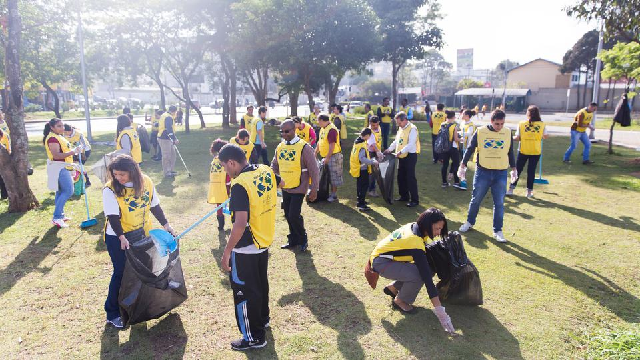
(183, 163)
(90, 221)
(540, 179)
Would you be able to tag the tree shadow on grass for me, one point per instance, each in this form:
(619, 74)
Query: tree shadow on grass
(217, 256)
(332, 305)
(166, 340)
(483, 335)
(600, 289)
(29, 259)
(349, 216)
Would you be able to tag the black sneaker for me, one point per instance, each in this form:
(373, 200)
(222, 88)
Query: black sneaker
(566, 161)
(242, 344)
(117, 322)
(587, 162)
(363, 208)
(445, 185)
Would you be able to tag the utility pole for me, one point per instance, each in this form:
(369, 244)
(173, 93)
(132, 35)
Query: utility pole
(84, 77)
(596, 82)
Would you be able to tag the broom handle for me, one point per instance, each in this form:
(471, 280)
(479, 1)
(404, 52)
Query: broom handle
(540, 165)
(203, 219)
(84, 189)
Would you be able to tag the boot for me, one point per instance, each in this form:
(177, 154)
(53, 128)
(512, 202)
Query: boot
(87, 183)
(220, 222)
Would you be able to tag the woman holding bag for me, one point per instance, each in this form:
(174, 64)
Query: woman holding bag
(129, 197)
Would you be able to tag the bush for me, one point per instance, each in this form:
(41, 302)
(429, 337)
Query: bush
(32, 108)
(111, 112)
(65, 107)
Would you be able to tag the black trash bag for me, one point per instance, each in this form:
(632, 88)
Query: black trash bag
(325, 184)
(152, 284)
(459, 279)
(385, 177)
(622, 115)
(145, 142)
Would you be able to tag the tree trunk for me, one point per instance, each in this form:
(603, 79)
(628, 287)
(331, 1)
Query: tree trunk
(613, 123)
(307, 89)
(56, 100)
(606, 106)
(395, 69)
(293, 101)
(199, 112)
(225, 93)
(162, 96)
(233, 81)
(578, 89)
(187, 105)
(14, 166)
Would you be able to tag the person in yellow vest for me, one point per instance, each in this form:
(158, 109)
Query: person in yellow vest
(256, 132)
(437, 119)
(246, 120)
(476, 109)
(76, 138)
(406, 109)
(219, 181)
(386, 114)
(339, 120)
(253, 208)
(468, 129)
(368, 113)
(360, 164)
(581, 122)
(495, 156)
(304, 131)
(250, 150)
(452, 154)
(127, 138)
(59, 163)
(406, 148)
(313, 117)
(128, 198)
(375, 150)
(331, 154)
(402, 257)
(484, 110)
(155, 126)
(295, 162)
(6, 145)
(530, 134)
(167, 140)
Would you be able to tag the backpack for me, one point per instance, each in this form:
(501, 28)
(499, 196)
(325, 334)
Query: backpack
(622, 115)
(145, 143)
(443, 144)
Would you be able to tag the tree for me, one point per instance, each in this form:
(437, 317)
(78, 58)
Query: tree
(13, 167)
(469, 83)
(621, 62)
(434, 70)
(500, 71)
(405, 37)
(373, 88)
(621, 17)
(581, 57)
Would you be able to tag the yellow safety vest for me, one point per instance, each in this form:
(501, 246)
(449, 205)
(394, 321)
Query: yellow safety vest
(253, 129)
(354, 159)
(290, 163)
(260, 185)
(531, 137)
(401, 239)
(161, 125)
(367, 117)
(155, 123)
(305, 133)
(437, 119)
(581, 126)
(386, 114)
(323, 142)
(493, 148)
(343, 127)
(4, 141)
(247, 121)
(378, 136)
(217, 183)
(247, 148)
(136, 149)
(452, 129)
(402, 138)
(313, 118)
(5, 128)
(134, 211)
(64, 147)
(74, 139)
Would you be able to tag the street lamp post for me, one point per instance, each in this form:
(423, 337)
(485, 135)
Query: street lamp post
(596, 83)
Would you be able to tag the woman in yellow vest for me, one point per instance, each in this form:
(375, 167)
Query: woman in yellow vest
(127, 138)
(304, 131)
(219, 181)
(452, 154)
(360, 164)
(581, 122)
(59, 163)
(129, 197)
(530, 134)
(76, 138)
(368, 113)
(242, 139)
(401, 257)
(5, 144)
(339, 120)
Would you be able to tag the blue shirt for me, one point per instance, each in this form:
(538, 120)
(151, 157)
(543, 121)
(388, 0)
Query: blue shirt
(259, 126)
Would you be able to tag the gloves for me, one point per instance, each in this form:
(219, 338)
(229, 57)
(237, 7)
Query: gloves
(514, 176)
(444, 319)
(375, 162)
(462, 173)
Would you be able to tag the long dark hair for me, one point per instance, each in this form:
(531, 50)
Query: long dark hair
(47, 128)
(533, 113)
(123, 122)
(126, 163)
(428, 218)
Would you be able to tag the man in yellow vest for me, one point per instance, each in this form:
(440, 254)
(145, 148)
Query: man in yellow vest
(253, 201)
(495, 155)
(250, 150)
(167, 139)
(437, 119)
(5, 143)
(313, 117)
(386, 114)
(296, 164)
(368, 113)
(581, 122)
(406, 109)
(331, 153)
(406, 147)
(155, 125)
(245, 122)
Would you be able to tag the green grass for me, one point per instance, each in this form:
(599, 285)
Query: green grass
(570, 268)
(604, 124)
(613, 345)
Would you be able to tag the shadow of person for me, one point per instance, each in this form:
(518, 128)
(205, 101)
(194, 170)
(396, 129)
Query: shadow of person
(598, 288)
(355, 218)
(167, 339)
(268, 352)
(217, 256)
(332, 305)
(483, 335)
(29, 259)
(165, 186)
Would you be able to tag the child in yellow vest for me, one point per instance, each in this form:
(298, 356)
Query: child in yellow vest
(360, 164)
(76, 138)
(219, 181)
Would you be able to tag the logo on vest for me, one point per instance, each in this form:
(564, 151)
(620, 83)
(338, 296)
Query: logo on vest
(287, 155)
(396, 235)
(534, 128)
(493, 144)
(134, 203)
(263, 182)
(216, 168)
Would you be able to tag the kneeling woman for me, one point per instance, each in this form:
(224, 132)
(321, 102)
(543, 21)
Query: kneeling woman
(128, 199)
(402, 257)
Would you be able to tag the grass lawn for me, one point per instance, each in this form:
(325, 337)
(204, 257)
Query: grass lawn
(604, 124)
(569, 272)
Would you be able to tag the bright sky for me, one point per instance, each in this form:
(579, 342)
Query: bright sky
(509, 29)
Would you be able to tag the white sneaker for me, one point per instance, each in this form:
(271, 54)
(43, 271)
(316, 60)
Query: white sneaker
(59, 223)
(465, 227)
(509, 192)
(499, 237)
(529, 194)
(332, 198)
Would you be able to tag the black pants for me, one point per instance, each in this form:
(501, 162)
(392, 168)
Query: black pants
(292, 206)
(362, 186)
(372, 177)
(531, 168)
(263, 153)
(407, 183)
(3, 189)
(433, 147)
(454, 156)
(384, 128)
(250, 287)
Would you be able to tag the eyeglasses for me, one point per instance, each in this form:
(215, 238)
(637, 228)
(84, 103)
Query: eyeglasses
(285, 131)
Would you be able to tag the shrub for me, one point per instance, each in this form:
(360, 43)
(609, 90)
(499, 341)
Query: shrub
(32, 108)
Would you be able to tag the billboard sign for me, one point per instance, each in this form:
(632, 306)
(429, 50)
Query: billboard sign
(465, 59)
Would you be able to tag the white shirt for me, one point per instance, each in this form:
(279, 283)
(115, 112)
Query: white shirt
(110, 204)
(371, 143)
(411, 145)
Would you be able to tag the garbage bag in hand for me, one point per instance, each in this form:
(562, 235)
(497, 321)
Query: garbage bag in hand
(385, 175)
(325, 184)
(145, 141)
(152, 283)
(459, 279)
(622, 114)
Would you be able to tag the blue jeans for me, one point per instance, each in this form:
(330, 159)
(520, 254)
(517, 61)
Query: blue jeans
(584, 138)
(483, 180)
(65, 190)
(118, 260)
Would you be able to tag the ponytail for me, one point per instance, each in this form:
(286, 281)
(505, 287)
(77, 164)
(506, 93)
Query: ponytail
(47, 128)
(533, 113)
